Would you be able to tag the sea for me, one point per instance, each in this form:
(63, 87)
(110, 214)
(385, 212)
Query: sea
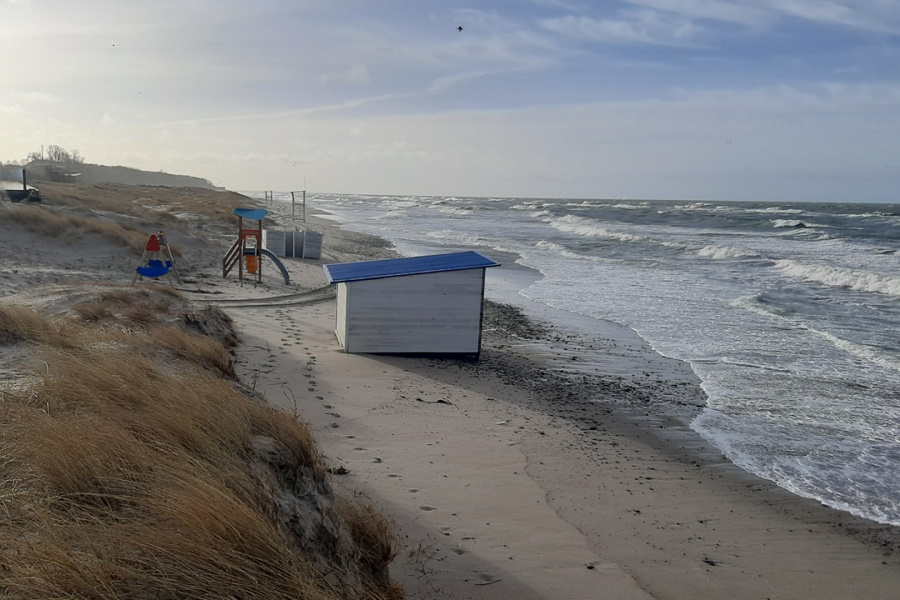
(788, 313)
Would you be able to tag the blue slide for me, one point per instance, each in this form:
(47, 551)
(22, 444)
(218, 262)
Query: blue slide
(278, 263)
(274, 259)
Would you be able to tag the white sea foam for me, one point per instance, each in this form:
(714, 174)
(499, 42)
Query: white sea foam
(400, 203)
(776, 210)
(874, 355)
(448, 235)
(591, 228)
(563, 251)
(724, 252)
(780, 223)
(859, 281)
(624, 206)
(453, 210)
(757, 304)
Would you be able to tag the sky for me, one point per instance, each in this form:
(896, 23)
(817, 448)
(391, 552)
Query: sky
(768, 100)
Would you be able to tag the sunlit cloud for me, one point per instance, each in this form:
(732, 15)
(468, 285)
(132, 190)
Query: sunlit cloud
(549, 97)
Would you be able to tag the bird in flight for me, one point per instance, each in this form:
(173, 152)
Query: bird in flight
(459, 28)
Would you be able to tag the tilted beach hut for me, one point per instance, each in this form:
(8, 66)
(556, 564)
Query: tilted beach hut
(420, 304)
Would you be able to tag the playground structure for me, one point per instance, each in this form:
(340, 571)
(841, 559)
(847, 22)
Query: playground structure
(298, 241)
(157, 260)
(249, 248)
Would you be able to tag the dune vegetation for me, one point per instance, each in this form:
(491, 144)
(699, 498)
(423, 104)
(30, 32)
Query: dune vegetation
(134, 464)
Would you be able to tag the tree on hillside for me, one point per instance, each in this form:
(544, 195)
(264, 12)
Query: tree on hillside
(58, 154)
(60, 163)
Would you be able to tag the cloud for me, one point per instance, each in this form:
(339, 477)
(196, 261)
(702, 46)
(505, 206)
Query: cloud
(40, 97)
(356, 74)
(445, 83)
(562, 4)
(869, 15)
(284, 114)
(714, 10)
(634, 27)
(787, 143)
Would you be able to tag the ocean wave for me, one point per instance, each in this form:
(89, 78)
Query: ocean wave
(738, 363)
(396, 204)
(561, 250)
(455, 237)
(455, 210)
(725, 252)
(680, 246)
(784, 223)
(590, 228)
(869, 353)
(776, 210)
(762, 305)
(858, 281)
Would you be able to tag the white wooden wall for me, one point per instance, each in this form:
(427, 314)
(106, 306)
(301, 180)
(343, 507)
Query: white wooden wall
(341, 321)
(428, 313)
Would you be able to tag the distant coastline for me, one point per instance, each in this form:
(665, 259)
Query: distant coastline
(46, 170)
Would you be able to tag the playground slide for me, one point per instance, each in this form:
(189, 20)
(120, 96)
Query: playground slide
(273, 258)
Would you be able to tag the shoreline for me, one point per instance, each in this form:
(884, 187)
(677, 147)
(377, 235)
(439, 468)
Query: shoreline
(628, 357)
(621, 490)
(523, 475)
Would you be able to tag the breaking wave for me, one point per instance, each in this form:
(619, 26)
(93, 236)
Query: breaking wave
(858, 281)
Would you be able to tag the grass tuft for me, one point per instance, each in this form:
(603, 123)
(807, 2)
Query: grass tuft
(52, 224)
(21, 324)
(136, 467)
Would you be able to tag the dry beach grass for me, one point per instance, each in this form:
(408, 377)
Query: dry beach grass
(135, 467)
(134, 464)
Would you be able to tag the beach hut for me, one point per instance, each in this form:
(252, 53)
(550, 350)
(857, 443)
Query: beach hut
(423, 304)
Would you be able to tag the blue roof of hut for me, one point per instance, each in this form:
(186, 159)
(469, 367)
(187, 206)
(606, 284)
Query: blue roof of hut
(415, 265)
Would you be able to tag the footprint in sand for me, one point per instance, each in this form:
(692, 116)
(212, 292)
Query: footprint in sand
(427, 508)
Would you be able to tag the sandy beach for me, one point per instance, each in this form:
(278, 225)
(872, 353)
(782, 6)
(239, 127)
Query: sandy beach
(516, 476)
